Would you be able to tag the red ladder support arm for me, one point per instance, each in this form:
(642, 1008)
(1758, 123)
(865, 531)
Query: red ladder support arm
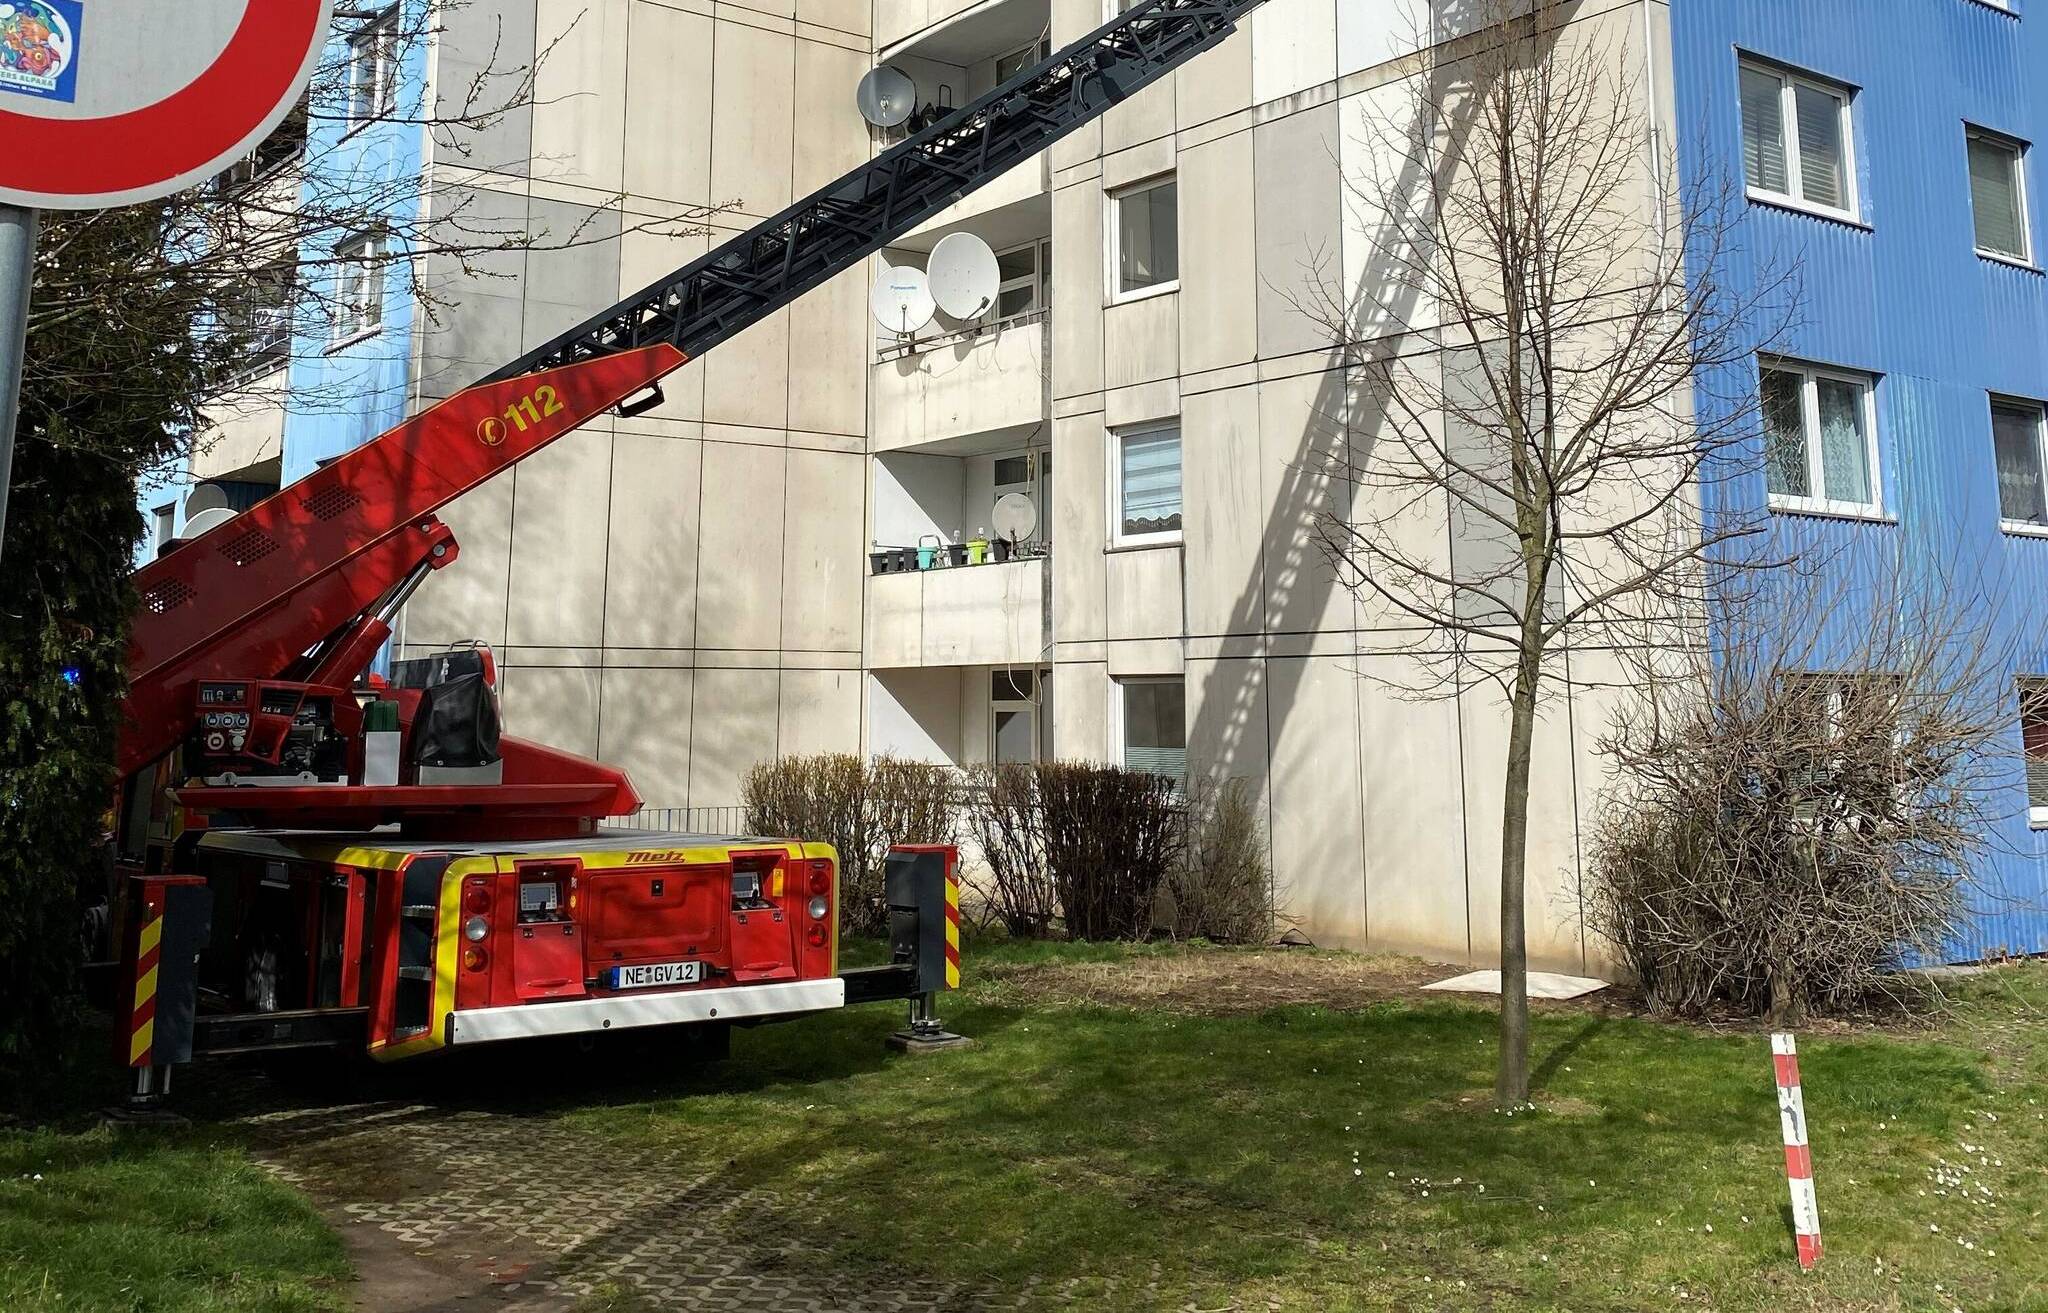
(254, 595)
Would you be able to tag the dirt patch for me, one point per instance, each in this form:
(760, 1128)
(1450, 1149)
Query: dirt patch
(1228, 983)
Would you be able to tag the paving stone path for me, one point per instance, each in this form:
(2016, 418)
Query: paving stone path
(450, 1209)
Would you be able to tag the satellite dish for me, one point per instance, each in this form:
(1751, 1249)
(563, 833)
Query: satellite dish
(195, 525)
(1015, 517)
(902, 301)
(205, 497)
(886, 96)
(963, 276)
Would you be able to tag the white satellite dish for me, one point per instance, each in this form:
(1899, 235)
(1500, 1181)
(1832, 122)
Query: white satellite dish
(1015, 517)
(205, 497)
(902, 300)
(886, 96)
(195, 525)
(963, 276)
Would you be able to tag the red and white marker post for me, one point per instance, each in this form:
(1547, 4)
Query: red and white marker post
(1798, 1157)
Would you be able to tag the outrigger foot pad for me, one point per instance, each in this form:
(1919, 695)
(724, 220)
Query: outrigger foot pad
(926, 1041)
(925, 1033)
(130, 1116)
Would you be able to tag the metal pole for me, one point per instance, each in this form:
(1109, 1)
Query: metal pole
(17, 275)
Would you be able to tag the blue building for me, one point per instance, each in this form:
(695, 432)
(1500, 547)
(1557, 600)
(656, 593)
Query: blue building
(334, 334)
(1889, 154)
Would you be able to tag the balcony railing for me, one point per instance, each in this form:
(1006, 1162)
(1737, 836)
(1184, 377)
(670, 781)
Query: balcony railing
(934, 555)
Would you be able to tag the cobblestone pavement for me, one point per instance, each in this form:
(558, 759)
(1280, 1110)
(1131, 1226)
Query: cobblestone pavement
(529, 1213)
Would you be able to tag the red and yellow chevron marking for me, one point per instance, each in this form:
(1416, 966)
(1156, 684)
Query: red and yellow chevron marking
(952, 931)
(142, 1019)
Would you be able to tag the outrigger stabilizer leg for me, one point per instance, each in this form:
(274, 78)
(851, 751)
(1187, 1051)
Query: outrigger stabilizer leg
(924, 931)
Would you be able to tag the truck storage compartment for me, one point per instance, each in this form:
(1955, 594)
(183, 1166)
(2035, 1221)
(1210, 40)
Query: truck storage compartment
(648, 915)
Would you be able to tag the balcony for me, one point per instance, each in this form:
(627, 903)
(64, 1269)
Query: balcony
(975, 615)
(977, 389)
(974, 39)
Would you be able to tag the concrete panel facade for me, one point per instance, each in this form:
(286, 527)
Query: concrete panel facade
(679, 593)
(1382, 807)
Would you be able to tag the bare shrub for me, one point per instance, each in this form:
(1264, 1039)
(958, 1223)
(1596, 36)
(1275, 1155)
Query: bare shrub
(1111, 835)
(1804, 811)
(1006, 822)
(861, 809)
(1222, 888)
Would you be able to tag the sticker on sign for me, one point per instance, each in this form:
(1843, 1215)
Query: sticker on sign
(129, 100)
(650, 975)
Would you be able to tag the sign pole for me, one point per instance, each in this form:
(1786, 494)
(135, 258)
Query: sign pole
(17, 275)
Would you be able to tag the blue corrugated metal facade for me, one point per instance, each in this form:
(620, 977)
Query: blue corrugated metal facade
(1904, 296)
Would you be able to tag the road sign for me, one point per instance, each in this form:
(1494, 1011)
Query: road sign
(111, 102)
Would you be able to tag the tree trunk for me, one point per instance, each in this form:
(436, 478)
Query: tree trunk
(1511, 1084)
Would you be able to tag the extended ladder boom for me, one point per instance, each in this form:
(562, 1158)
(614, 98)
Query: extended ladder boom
(305, 579)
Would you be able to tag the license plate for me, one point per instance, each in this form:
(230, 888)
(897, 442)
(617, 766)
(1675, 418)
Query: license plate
(652, 975)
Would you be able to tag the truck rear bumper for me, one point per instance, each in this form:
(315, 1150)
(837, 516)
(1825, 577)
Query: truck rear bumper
(623, 1012)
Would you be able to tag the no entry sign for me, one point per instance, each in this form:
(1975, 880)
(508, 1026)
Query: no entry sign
(110, 102)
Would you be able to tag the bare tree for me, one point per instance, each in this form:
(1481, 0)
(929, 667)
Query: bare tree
(1536, 341)
(239, 262)
(1809, 806)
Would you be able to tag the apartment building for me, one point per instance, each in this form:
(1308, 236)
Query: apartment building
(723, 579)
(1892, 159)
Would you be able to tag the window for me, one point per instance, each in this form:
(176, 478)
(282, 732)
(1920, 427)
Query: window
(1015, 62)
(1998, 196)
(1026, 273)
(259, 317)
(1145, 240)
(2019, 439)
(1013, 716)
(358, 288)
(1820, 446)
(2034, 742)
(163, 522)
(1030, 475)
(373, 67)
(1796, 140)
(1152, 728)
(1145, 486)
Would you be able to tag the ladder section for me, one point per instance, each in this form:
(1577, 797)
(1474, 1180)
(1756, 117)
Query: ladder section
(834, 229)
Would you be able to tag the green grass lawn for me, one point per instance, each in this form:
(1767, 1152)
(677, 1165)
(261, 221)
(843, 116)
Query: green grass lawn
(1199, 1150)
(1304, 1158)
(138, 1221)
(94, 1220)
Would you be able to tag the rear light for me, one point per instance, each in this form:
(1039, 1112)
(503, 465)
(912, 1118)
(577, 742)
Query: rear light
(815, 936)
(476, 929)
(475, 959)
(478, 899)
(818, 908)
(821, 877)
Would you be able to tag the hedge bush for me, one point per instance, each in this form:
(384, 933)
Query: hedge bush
(860, 808)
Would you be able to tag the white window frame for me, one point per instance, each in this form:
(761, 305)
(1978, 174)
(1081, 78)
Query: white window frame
(2030, 685)
(1037, 484)
(1119, 687)
(163, 526)
(1115, 482)
(1809, 419)
(1027, 707)
(1112, 247)
(362, 256)
(2021, 194)
(373, 54)
(1999, 401)
(1788, 122)
(1035, 52)
(1041, 262)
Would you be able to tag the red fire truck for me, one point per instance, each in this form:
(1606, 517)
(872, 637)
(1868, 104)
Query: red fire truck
(312, 856)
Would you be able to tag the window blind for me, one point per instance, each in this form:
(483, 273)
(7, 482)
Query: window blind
(1151, 481)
